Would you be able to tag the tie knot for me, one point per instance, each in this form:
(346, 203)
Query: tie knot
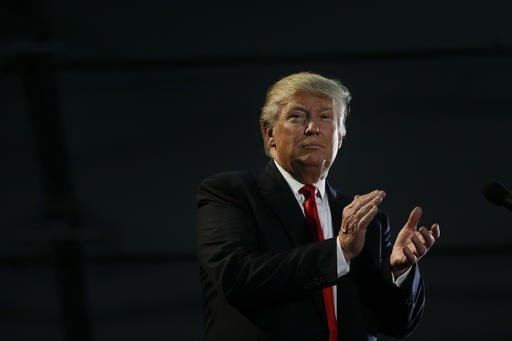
(308, 191)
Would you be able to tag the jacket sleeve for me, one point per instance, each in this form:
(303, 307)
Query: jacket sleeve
(238, 267)
(397, 309)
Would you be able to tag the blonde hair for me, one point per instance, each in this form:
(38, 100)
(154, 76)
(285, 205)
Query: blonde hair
(311, 83)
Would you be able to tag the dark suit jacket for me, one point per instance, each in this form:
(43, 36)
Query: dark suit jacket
(262, 273)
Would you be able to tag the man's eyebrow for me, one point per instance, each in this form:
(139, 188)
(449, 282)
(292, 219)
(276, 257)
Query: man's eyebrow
(301, 107)
(329, 108)
(297, 106)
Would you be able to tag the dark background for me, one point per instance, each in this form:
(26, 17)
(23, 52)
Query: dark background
(112, 112)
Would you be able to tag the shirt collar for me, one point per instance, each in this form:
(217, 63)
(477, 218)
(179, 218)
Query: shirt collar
(296, 185)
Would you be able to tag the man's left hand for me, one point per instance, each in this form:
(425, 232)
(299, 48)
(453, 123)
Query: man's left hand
(411, 244)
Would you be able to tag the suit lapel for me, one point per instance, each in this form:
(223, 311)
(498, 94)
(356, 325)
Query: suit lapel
(278, 195)
(281, 200)
(336, 203)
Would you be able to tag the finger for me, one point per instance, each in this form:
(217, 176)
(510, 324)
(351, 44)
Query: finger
(363, 195)
(436, 231)
(362, 211)
(420, 237)
(365, 199)
(427, 237)
(418, 244)
(414, 218)
(368, 212)
(367, 218)
(409, 255)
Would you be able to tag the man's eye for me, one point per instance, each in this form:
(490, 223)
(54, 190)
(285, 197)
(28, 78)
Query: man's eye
(326, 117)
(296, 115)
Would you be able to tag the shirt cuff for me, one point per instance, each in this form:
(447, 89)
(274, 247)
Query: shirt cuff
(398, 281)
(342, 265)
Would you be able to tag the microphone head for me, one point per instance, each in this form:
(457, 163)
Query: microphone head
(495, 193)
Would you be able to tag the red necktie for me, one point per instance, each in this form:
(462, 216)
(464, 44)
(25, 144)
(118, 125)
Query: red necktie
(313, 220)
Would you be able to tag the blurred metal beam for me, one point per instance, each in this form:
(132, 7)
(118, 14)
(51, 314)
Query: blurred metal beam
(504, 249)
(61, 208)
(38, 78)
(10, 52)
(478, 52)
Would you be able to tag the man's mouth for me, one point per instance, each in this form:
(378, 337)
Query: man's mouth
(312, 145)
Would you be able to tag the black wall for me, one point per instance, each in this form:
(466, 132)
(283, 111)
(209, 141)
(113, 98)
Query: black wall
(112, 113)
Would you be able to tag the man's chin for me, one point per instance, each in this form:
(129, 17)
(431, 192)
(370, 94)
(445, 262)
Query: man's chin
(314, 162)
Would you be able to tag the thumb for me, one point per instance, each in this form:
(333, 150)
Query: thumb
(414, 219)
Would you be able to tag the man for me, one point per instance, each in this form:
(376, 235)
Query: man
(283, 256)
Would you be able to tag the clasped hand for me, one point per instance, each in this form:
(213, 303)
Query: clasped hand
(410, 245)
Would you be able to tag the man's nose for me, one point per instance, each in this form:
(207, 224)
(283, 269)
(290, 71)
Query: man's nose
(312, 128)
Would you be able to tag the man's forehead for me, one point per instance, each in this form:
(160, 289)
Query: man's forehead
(306, 100)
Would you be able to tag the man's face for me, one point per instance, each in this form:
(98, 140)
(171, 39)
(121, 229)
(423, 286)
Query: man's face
(306, 137)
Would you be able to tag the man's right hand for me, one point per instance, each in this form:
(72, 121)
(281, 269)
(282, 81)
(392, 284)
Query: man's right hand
(355, 220)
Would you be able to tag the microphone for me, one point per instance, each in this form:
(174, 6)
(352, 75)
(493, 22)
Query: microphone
(498, 194)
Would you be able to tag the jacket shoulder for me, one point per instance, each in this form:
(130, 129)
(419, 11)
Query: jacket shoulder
(231, 186)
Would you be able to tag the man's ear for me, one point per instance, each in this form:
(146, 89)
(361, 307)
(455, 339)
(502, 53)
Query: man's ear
(268, 132)
(340, 139)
